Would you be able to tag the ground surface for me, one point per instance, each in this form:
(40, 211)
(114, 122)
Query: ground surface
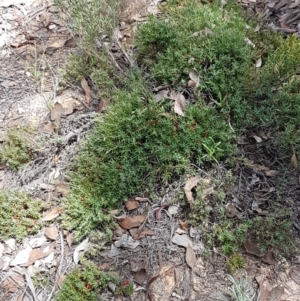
(35, 44)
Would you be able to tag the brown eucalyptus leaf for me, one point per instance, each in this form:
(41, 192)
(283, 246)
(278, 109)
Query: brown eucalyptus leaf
(190, 257)
(271, 173)
(184, 225)
(51, 233)
(61, 280)
(69, 239)
(140, 277)
(63, 188)
(294, 161)
(54, 213)
(179, 105)
(57, 111)
(71, 42)
(14, 122)
(130, 222)
(189, 185)
(87, 90)
(131, 205)
(103, 104)
(37, 254)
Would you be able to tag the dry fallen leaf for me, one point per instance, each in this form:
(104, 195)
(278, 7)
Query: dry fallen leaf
(258, 63)
(61, 280)
(51, 233)
(294, 161)
(257, 139)
(269, 258)
(87, 90)
(184, 225)
(57, 111)
(146, 232)
(131, 205)
(82, 247)
(207, 191)
(158, 211)
(130, 222)
(63, 188)
(189, 185)
(271, 173)
(195, 78)
(71, 42)
(14, 122)
(49, 126)
(179, 104)
(190, 257)
(37, 254)
(13, 283)
(252, 248)
(103, 104)
(54, 213)
(161, 95)
(69, 239)
(140, 277)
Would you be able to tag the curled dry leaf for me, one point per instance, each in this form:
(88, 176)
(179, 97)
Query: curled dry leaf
(69, 239)
(257, 139)
(161, 95)
(139, 199)
(130, 222)
(184, 225)
(131, 205)
(87, 90)
(258, 63)
(37, 254)
(82, 247)
(103, 104)
(71, 42)
(179, 105)
(57, 111)
(271, 173)
(190, 257)
(51, 233)
(189, 185)
(54, 213)
(158, 211)
(195, 78)
(294, 161)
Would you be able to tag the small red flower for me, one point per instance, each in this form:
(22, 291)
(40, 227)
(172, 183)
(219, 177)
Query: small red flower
(89, 287)
(127, 282)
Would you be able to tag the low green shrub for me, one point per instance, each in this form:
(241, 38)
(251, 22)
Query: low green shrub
(84, 284)
(17, 148)
(138, 144)
(19, 215)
